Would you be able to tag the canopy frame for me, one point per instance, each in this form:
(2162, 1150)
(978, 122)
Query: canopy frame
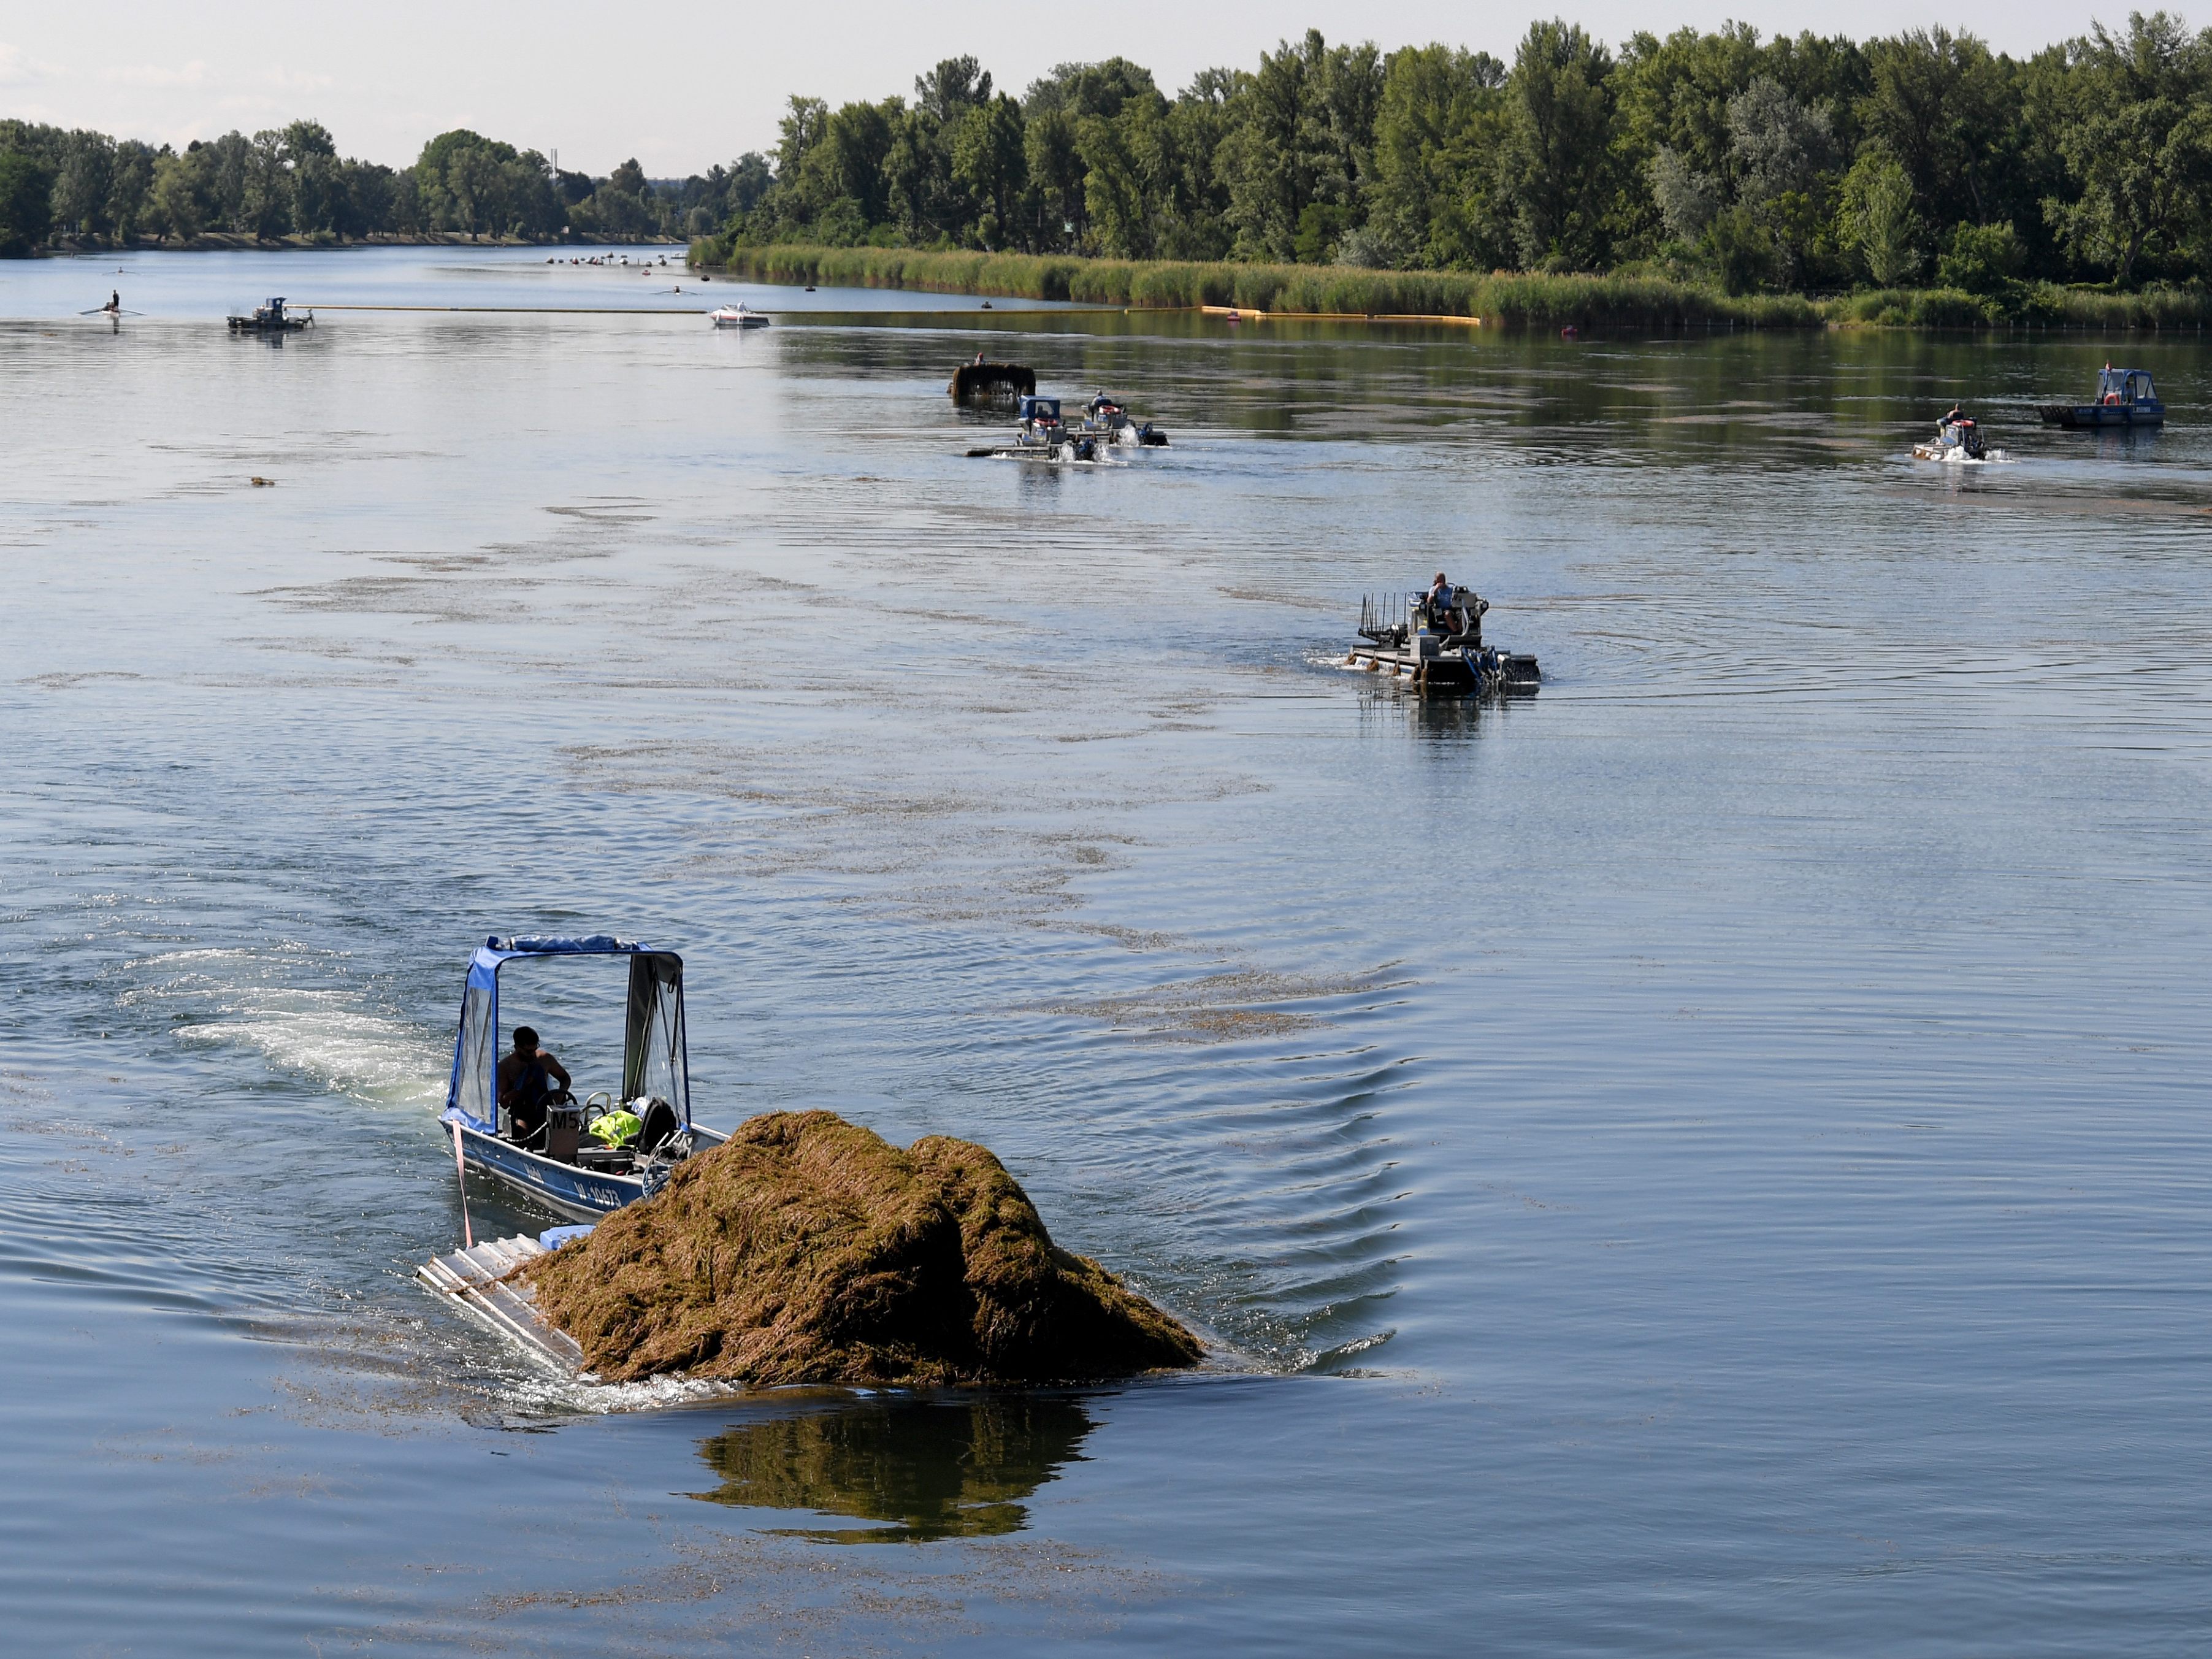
(656, 1055)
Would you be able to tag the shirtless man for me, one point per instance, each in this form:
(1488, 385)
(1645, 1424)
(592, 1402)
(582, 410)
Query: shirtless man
(522, 1083)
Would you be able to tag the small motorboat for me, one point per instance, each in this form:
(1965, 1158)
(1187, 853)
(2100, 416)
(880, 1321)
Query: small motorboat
(1958, 440)
(586, 1161)
(1109, 417)
(2125, 398)
(269, 316)
(737, 316)
(1436, 645)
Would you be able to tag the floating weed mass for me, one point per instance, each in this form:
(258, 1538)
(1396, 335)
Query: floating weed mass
(809, 1249)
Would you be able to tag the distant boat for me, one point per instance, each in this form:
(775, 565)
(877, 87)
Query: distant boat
(737, 316)
(269, 316)
(2124, 397)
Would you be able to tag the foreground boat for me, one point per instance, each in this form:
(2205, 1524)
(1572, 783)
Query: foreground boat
(1958, 440)
(1108, 418)
(1437, 645)
(557, 1163)
(2125, 398)
(737, 316)
(269, 316)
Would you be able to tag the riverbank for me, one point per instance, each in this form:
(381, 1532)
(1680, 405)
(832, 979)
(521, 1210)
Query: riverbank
(1505, 298)
(232, 242)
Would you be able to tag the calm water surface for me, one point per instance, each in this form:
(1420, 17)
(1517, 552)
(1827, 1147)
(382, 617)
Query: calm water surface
(1709, 1159)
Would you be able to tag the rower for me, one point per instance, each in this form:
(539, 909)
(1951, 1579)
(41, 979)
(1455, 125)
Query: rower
(524, 1090)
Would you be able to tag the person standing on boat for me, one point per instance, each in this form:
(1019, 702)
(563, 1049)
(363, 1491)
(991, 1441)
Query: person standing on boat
(522, 1083)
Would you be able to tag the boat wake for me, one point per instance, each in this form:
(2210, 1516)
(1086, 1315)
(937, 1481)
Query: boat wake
(253, 998)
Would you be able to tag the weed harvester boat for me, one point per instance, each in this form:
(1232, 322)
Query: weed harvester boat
(269, 316)
(1437, 645)
(586, 1161)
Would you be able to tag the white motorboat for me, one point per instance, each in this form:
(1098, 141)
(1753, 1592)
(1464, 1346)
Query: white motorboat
(737, 316)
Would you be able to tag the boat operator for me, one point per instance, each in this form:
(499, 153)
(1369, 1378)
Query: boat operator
(1440, 600)
(523, 1088)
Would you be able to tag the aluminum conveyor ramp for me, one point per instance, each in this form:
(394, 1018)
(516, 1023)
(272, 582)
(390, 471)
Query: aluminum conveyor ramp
(471, 1278)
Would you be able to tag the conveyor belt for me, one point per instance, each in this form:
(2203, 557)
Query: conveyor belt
(471, 1278)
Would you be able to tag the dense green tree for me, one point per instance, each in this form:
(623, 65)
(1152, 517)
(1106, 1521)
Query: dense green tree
(83, 183)
(1437, 124)
(2137, 140)
(1879, 220)
(1556, 162)
(1302, 136)
(989, 162)
(1945, 109)
(27, 203)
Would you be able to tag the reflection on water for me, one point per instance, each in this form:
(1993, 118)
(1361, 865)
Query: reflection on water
(930, 1468)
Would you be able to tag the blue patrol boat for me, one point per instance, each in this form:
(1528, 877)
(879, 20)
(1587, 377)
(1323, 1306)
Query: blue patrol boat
(555, 1161)
(2124, 397)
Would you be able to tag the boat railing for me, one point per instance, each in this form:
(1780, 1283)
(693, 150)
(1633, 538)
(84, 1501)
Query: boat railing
(1383, 616)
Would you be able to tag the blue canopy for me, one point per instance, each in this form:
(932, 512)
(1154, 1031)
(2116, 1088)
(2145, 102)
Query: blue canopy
(655, 1061)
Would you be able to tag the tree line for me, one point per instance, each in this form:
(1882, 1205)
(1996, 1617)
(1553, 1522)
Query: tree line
(1804, 163)
(85, 188)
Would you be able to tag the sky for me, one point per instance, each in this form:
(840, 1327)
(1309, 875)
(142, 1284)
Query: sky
(682, 87)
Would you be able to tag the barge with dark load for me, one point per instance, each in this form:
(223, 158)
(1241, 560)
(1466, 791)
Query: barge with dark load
(1435, 644)
(982, 382)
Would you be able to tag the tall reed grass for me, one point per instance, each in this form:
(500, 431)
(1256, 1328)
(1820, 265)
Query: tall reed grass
(1514, 300)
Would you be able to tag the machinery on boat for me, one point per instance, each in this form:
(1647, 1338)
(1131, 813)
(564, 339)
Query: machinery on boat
(1959, 438)
(580, 1161)
(1436, 645)
(1044, 435)
(737, 316)
(269, 316)
(2125, 398)
(1109, 417)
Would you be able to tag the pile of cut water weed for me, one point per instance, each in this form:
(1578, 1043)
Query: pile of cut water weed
(809, 1249)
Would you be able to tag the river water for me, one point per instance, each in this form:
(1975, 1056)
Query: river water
(1710, 1158)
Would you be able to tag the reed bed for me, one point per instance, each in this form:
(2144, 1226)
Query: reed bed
(1510, 299)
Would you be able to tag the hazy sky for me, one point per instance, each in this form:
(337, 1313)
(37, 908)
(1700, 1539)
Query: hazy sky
(682, 87)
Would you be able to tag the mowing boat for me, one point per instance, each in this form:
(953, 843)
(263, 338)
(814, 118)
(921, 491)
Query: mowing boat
(1435, 640)
(1109, 417)
(1044, 436)
(1958, 440)
(2125, 398)
(737, 316)
(980, 381)
(269, 316)
(586, 1161)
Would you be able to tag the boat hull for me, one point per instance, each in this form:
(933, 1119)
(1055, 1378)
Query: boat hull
(1447, 671)
(2091, 416)
(577, 1194)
